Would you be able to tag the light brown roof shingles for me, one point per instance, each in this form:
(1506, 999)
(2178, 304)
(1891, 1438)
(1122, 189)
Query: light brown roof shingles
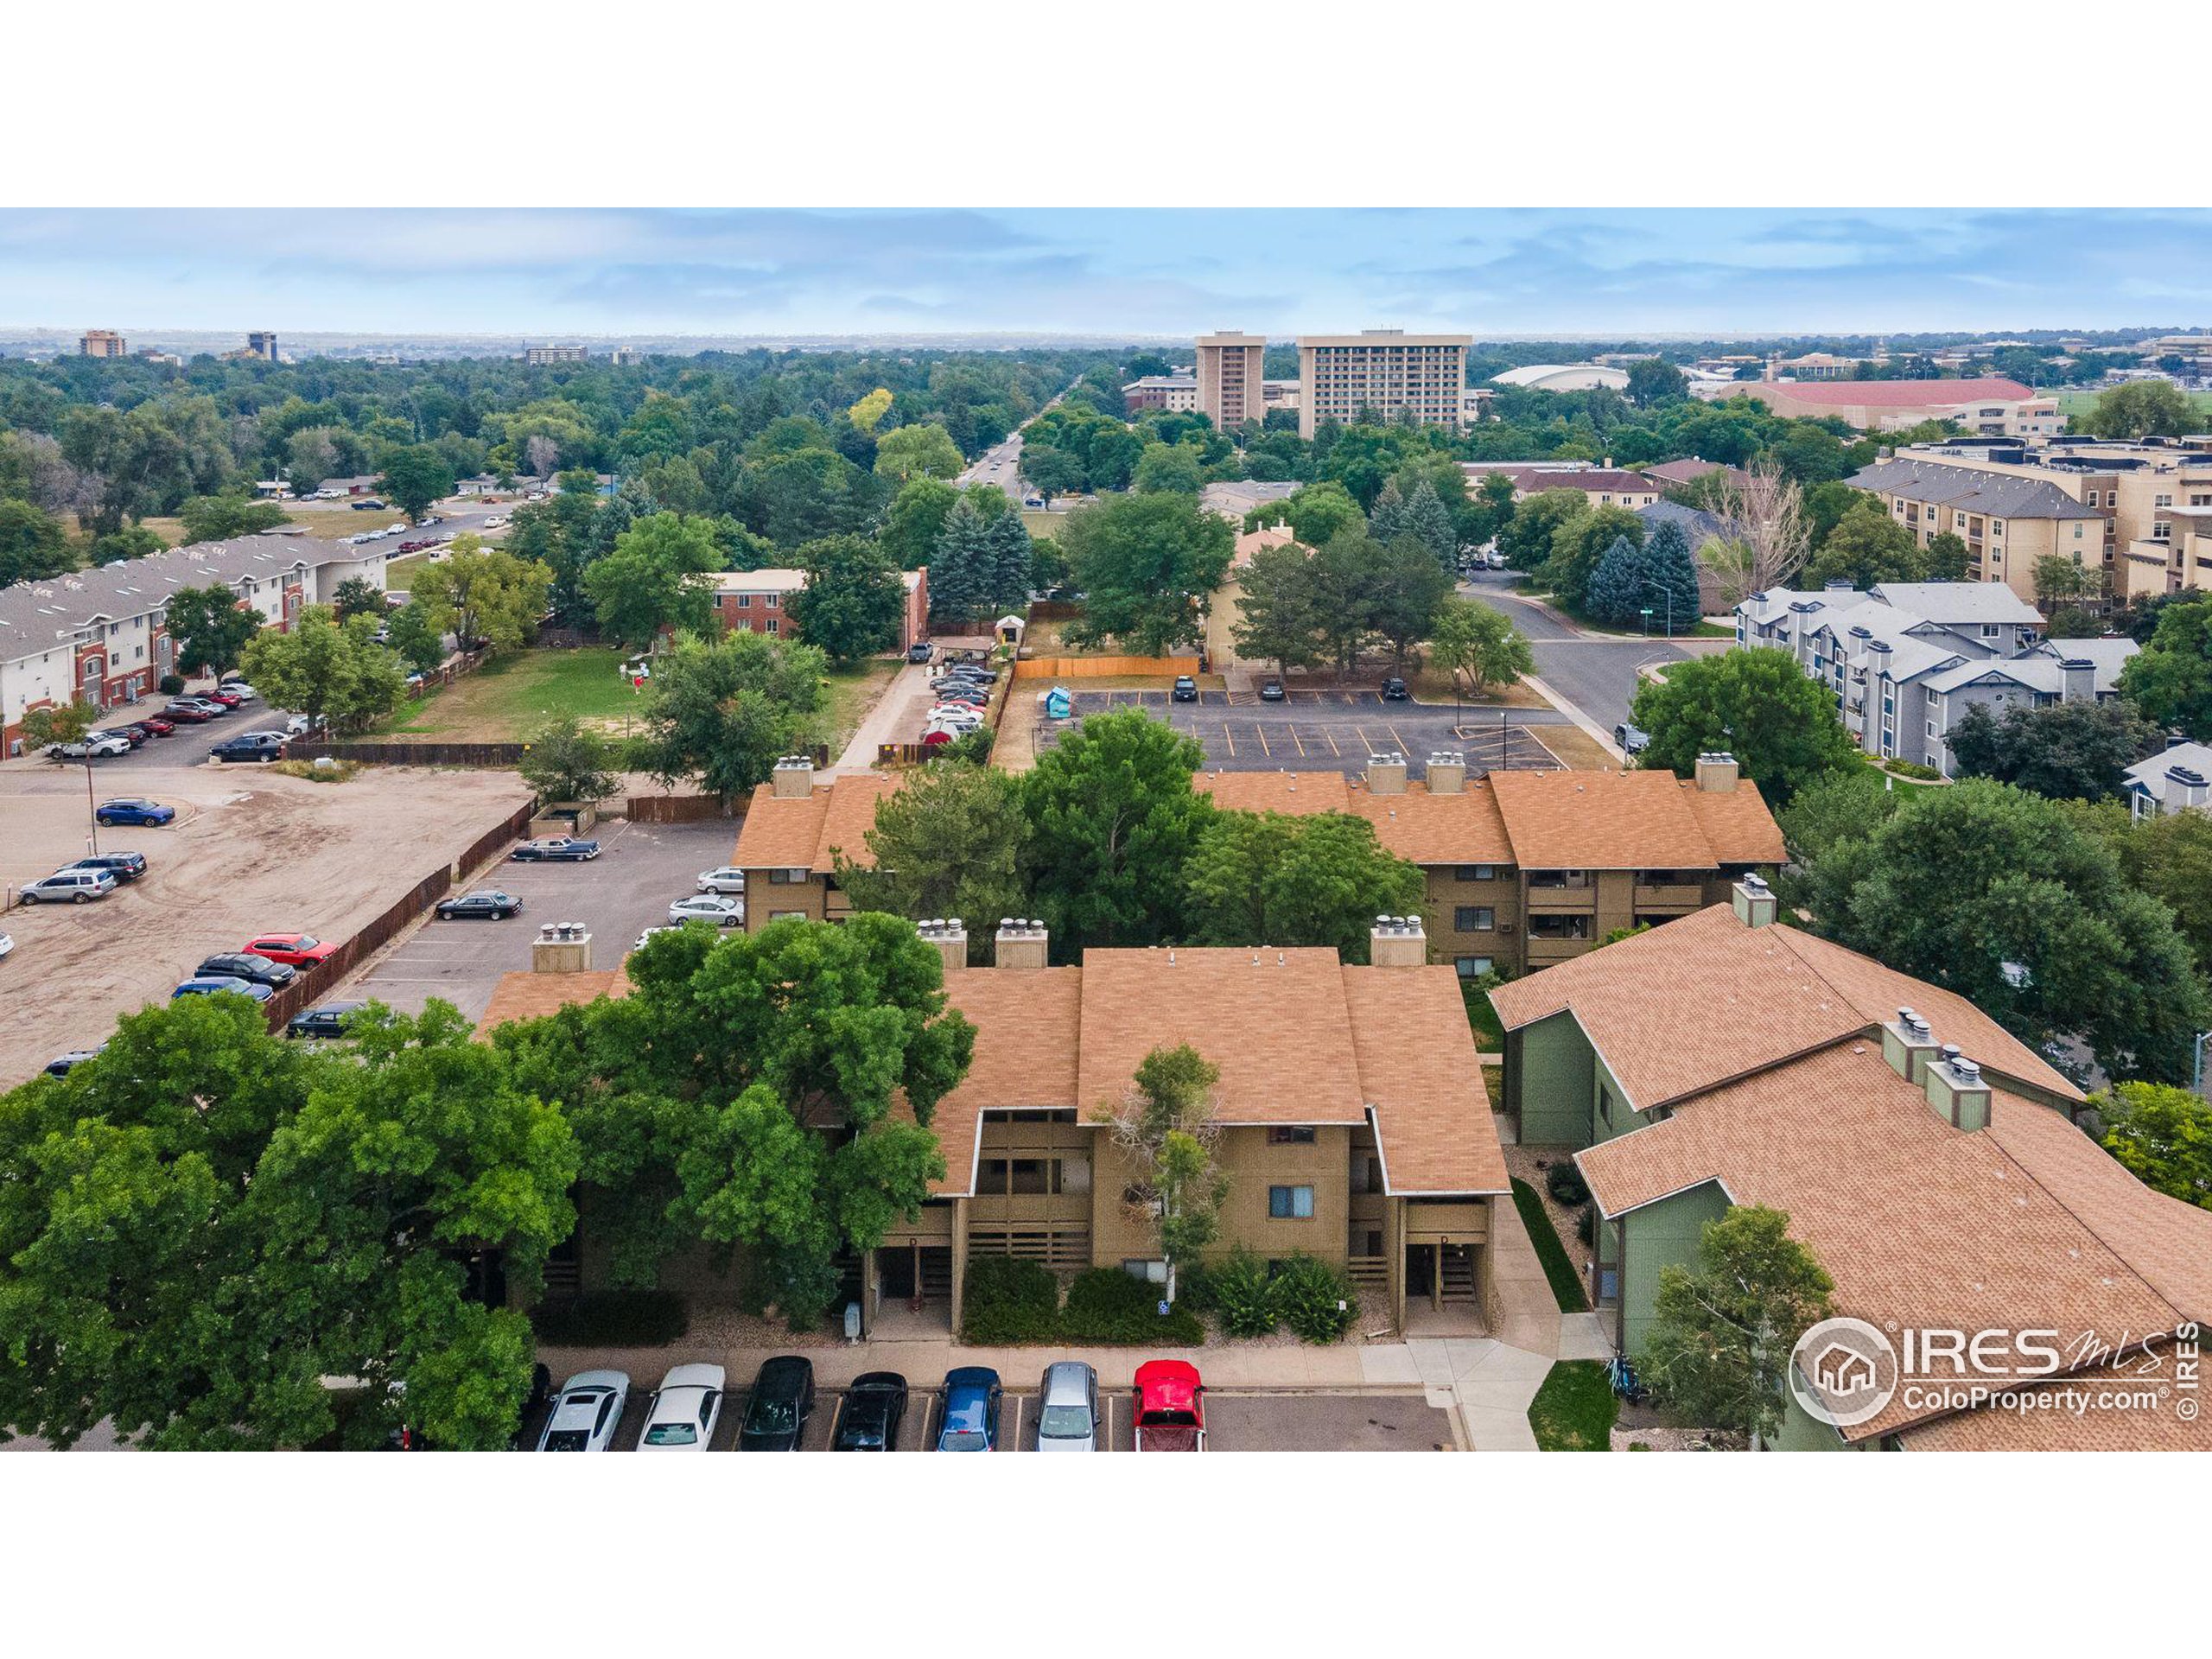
(1599, 821)
(528, 995)
(804, 832)
(1419, 1072)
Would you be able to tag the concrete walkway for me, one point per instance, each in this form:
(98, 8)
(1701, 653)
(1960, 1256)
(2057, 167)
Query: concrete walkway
(896, 718)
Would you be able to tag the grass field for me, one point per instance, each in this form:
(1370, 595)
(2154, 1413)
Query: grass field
(2077, 402)
(1575, 1410)
(852, 693)
(519, 691)
(1566, 1284)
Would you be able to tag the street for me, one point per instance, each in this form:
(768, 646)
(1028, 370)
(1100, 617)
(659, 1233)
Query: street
(999, 465)
(1596, 674)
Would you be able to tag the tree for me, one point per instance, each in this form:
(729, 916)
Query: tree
(1526, 540)
(1719, 1349)
(206, 1222)
(923, 450)
(1579, 542)
(2163, 1136)
(412, 638)
(2006, 898)
(2171, 678)
(1163, 1126)
(725, 711)
(1112, 819)
(1169, 468)
(357, 596)
(1266, 879)
(915, 520)
(950, 844)
(1615, 590)
(854, 601)
(1767, 530)
(1280, 609)
(1401, 597)
(1759, 706)
(132, 542)
(483, 596)
(567, 760)
(324, 670)
(2169, 857)
(33, 544)
(1670, 568)
(220, 517)
(1146, 564)
(1866, 546)
(1011, 556)
(2142, 409)
(2060, 580)
(869, 411)
(61, 723)
(1652, 381)
(1317, 514)
(415, 476)
(1471, 637)
(209, 627)
(963, 566)
(652, 581)
(2065, 751)
(1428, 521)
(1386, 517)
(1052, 471)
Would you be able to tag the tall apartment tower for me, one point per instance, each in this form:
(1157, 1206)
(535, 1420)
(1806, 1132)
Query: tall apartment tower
(1386, 370)
(262, 345)
(1229, 370)
(100, 342)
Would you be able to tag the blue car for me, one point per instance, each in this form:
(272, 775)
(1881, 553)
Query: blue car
(212, 983)
(134, 812)
(971, 1410)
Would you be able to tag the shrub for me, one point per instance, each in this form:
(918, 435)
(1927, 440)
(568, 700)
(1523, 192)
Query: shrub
(1585, 1225)
(975, 747)
(1107, 1305)
(171, 685)
(1243, 1296)
(1314, 1300)
(1008, 1300)
(1911, 769)
(621, 1319)
(1564, 1183)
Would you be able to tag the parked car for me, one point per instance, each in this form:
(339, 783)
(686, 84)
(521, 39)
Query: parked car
(585, 1412)
(186, 713)
(244, 964)
(124, 867)
(224, 695)
(1633, 739)
(489, 904)
(66, 887)
(248, 745)
(718, 908)
(566, 848)
(1169, 1411)
(971, 1410)
(297, 725)
(727, 878)
(1067, 1407)
(62, 1065)
(300, 949)
(132, 810)
(211, 984)
(1186, 689)
(783, 1399)
(7, 947)
(325, 1019)
(684, 1410)
(1271, 691)
(919, 651)
(212, 708)
(648, 933)
(237, 688)
(157, 727)
(130, 735)
(1394, 691)
(94, 745)
(875, 1408)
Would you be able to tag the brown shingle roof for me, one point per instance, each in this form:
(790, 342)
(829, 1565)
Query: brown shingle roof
(1419, 1072)
(528, 995)
(1735, 823)
(804, 832)
(1599, 821)
(2135, 1428)
(1292, 793)
(1430, 828)
(1922, 1226)
(1025, 1023)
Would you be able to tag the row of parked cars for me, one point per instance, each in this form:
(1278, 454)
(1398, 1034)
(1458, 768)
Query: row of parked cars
(1169, 1407)
(964, 692)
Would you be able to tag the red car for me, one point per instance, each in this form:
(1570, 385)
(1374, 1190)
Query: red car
(1171, 1407)
(188, 714)
(228, 699)
(295, 950)
(157, 726)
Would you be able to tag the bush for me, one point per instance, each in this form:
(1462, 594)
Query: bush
(1243, 1296)
(1911, 769)
(628, 1319)
(974, 748)
(1314, 1300)
(1107, 1305)
(1585, 1225)
(171, 685)
(1564, 1183)
(1008, 1300)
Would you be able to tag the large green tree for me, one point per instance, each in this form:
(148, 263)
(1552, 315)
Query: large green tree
(32, 544)
(1267, 879)
(483, 595)
(951, 843)
(2163, 1136)
(1759, 706)
(414, 476)
(1112, 820)
(923, 450)
(2171, 678)
(209, 627)
(723, 712)
(567, 760)
(326, 669)
(1146, 565)
(915, 520)
(1479, 641)
(1281, 607)
(220, 517)
(654, 580)
(2142, 408)
(854, 601)
(1579, 544)
(1865, 546)
(2067, 751)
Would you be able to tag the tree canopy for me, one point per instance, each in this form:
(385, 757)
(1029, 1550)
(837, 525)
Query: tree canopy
(325, 670)
(1757, 705)
(1146, 565)
(854, 601)
(952, 842)
(1266, 879)
(725, 711)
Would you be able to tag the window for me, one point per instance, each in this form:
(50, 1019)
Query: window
(1291, 1134)
(1471, 967)
(1153, 1273)
(788, 878)
(1473, 918)
(1605, 1105)
(1931, 728)
(1474, 873)
(1997, 526)
(1558, 927)
(775, 624)
(1290, 1202)
(745, 601)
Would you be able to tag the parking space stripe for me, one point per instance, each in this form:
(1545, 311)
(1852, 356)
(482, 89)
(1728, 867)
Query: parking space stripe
(1003, 1445)
(1229, 740)
(1331, 736)
(1260, 732)
(835, 1412)
(1397, 742)
(1298, 741)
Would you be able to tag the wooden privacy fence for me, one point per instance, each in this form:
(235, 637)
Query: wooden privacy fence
(676, 808)
(406, 754)
(1091, 668)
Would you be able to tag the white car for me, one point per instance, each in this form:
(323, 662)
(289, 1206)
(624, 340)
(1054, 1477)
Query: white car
(495, 521)
(648, 934)
(684, 1410)
(729, 879)
(239, 689)
(585, 1412)
(955, 719)
(6, 945)
(708, 907)
(399, 528)
(297, 725)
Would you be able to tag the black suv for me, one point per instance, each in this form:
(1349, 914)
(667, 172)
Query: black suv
(488, 902)
(783, 1399)
(1186, 689)
(245, 965)
(124, 867)
(326, 1020)
(1271, 691)
(1394, 691)
(874, 1407)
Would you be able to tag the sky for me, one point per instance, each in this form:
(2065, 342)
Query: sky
(1125, 272)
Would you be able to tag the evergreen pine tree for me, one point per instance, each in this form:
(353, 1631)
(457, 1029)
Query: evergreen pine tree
(1668, 562)
(1009, 542)
(1428, 521)
(1615, 590)
(1386, 520)
(960, 570)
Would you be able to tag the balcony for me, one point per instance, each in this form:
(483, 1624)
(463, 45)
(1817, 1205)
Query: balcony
(1545, 953)
(1668, 895)
(1028, 1210)
(1579, 899)
(1459, 1224)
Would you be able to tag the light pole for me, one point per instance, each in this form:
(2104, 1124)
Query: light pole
(92, 811)
(2196, 1063)
(1670, 594)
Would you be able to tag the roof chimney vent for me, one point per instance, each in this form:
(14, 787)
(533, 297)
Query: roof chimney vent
(1909, 1045)
(1021, 942)
(1447, 772)
(794, 778)
(1397, 941)
(1386, 773)
(948, 936)
(1957, 1092)
(1753, 901)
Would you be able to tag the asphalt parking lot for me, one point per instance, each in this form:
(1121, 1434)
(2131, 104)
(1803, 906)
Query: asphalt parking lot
(1235, 1421)
(1328, 730)
(186, 747)
(626, 889)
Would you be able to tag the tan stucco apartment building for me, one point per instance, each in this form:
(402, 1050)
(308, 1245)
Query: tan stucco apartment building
(1230, 374)
(1385, 370)
(794, 829)
(2007, 520)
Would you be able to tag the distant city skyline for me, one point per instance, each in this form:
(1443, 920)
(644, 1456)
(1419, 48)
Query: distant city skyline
(1123, 273)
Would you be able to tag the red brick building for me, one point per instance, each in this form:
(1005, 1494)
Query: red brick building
(760, 600)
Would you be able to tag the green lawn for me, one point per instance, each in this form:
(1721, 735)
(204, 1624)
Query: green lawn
(518, 691)
(1575, 1409)
(2077, 402)
(1489, 1036)
(852, 693)
(1566, 1284)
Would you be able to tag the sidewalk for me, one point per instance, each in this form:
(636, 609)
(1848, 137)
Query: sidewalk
(896, 718)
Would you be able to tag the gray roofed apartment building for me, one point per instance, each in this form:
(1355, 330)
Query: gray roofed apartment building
(2008, 521)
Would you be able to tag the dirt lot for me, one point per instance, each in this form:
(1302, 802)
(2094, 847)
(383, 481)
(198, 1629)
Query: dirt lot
(250, 850)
